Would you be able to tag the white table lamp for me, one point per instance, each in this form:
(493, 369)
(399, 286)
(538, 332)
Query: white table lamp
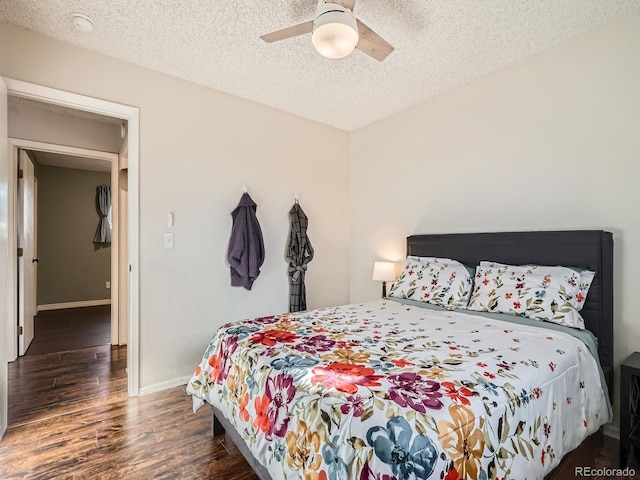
(384, 272)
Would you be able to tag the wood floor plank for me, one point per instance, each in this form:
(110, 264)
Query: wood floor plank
(70, 329)
(70, 417)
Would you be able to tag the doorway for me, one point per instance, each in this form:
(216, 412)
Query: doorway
(72, 268)
(131, 115)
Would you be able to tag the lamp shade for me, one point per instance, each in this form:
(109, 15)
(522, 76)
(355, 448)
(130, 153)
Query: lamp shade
(384, 271)
(335, 31)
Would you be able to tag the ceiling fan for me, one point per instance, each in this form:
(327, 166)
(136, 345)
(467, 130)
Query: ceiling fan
(336, 32)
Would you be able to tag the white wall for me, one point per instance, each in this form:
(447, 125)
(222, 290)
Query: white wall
(550, 143)
(197, 148)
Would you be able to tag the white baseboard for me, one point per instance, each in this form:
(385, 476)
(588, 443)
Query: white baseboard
(158, 387)
(83, 303)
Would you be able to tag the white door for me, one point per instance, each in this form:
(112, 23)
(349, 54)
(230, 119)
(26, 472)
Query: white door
(6, 259)
(26, 217)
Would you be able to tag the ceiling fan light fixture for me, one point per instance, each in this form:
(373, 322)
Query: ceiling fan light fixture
(335, 31)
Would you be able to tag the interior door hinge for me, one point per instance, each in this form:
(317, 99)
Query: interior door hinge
(20, 330)
(20, 173)
(20, 252)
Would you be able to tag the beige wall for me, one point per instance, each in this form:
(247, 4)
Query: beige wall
(71, 267)
(197, 148)
(550, 143)
(29, 123)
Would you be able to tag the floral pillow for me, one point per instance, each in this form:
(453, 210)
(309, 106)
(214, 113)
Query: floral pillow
(446, 261)
(404, 286)
(444, 284)
(553, 294)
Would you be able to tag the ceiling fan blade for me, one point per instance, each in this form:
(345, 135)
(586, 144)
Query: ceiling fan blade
(373, 44)
(293, 31)
(350, 4)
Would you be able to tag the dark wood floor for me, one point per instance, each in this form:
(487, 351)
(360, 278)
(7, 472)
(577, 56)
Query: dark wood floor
(70, 418)
(71, 328)
(596, 453)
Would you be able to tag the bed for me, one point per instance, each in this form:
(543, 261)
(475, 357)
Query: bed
(390, 389)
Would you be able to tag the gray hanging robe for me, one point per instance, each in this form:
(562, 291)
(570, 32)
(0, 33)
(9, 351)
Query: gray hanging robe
(246, 246)
(299, 253)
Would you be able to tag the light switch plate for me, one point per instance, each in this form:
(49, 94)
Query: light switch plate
(168, 240)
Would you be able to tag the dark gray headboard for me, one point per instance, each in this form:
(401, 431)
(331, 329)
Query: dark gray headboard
(592, 249)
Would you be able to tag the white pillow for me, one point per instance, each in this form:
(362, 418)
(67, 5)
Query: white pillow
(445, 284)
(404, 285)
(441, 260)
(553, 294)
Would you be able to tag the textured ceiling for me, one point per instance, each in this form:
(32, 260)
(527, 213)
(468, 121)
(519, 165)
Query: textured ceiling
(439, 44)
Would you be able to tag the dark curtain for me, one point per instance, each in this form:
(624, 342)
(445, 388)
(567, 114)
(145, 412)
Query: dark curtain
(103, 203)
(299, 253)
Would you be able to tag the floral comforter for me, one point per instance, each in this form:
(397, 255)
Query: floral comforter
(383, 391)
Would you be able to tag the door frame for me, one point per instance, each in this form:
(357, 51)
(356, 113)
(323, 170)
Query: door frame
(131, 114)
(16, 144)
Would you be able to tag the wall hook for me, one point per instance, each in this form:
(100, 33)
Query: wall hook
(244, 188)
(296, 199)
